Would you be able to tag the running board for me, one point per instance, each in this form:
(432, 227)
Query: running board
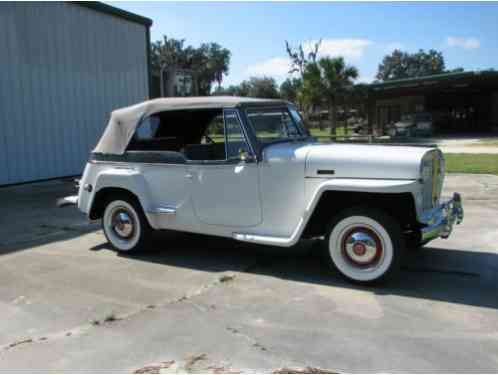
(271, 240)
(265, 240)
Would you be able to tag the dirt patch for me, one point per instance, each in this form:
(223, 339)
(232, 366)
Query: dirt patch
(154, 369)
(17, 343)
(226, 278)
(191, 360)
(305, 370)
(222, 370)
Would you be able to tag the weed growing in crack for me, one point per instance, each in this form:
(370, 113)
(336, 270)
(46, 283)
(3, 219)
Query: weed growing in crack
(110, 318)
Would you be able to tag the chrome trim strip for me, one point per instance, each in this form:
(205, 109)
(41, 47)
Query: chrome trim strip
(71, 200)
(362, 178)
(134, 163)
(254, 238)
(163, 210)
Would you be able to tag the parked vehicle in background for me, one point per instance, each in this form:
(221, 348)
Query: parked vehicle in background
(413, 125)
(424, 124)
(248, 169)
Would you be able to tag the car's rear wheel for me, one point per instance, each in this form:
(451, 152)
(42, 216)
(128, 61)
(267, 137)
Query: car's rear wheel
(365, 245)
(125, 225)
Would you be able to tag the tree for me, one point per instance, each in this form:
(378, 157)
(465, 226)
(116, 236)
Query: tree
(400, 64)
(233, 90)
(256, 87)
(299, 59)
(331, 79)
(306, 98)
(311, 93)
(218, 59)
(210, 61)
(289, 89)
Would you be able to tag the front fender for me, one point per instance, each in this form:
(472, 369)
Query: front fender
(365, 186)
(316, 188)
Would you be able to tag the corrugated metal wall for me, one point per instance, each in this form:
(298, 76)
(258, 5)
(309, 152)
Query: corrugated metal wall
(63, 68)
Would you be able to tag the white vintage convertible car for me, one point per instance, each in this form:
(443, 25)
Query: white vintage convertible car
(248, 169)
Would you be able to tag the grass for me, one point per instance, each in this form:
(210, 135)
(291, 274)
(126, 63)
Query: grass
(472, 163)
(316, 132)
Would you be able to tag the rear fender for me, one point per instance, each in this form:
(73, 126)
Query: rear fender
(127, 179)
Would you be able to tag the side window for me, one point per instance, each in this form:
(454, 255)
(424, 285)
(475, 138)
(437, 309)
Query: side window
(236, 143)
(209, 144)
(214, 132)
(148, 128)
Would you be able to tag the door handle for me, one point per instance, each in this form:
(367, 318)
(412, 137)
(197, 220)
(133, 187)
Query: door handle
(189, 176)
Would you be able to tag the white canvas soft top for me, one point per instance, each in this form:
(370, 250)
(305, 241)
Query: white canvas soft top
(124, 121)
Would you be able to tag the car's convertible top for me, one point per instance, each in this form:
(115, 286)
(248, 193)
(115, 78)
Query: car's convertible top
(124, 121)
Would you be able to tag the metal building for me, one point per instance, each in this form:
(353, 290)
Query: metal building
(459, 102)
(63, 68)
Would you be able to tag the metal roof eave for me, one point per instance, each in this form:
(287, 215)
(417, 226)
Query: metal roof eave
(113, 11)
(430, 80)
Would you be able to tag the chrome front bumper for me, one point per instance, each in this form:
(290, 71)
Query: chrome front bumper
(440, 220)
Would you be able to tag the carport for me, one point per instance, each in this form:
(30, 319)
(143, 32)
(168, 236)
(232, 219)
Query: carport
(463, 102)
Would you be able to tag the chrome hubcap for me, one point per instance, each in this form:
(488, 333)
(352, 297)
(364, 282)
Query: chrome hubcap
(122, 223)
(362, 246)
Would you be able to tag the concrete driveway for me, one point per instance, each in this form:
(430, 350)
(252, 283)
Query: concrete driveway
(69, 303)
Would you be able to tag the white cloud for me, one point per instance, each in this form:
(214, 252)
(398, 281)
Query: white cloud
(277, 66)
(466, 43)
(348, 48)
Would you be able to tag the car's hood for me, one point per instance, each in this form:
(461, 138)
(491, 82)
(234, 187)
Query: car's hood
(364, 161)
(347, 160)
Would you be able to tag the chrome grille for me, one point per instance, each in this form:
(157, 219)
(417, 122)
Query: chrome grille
(433, 163)
(427, 193)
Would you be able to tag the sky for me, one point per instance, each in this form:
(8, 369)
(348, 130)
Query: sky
(255, 32)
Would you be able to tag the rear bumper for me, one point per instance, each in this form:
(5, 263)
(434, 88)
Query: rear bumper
(440, 220)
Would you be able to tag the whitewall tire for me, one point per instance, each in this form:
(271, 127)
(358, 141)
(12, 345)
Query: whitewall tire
(125, 225)
(365, 245)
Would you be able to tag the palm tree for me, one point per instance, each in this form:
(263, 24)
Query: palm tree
(336, 81)
(310, 95)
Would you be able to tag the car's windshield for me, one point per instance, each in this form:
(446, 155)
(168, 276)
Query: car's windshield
(274, 124)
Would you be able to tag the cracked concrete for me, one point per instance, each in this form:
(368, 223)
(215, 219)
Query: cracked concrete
(245, 308)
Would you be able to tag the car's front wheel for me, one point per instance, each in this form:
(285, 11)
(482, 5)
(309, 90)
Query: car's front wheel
(365, 245)
(125, 225)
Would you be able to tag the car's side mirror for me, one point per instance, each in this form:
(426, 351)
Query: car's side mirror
(246, 156)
